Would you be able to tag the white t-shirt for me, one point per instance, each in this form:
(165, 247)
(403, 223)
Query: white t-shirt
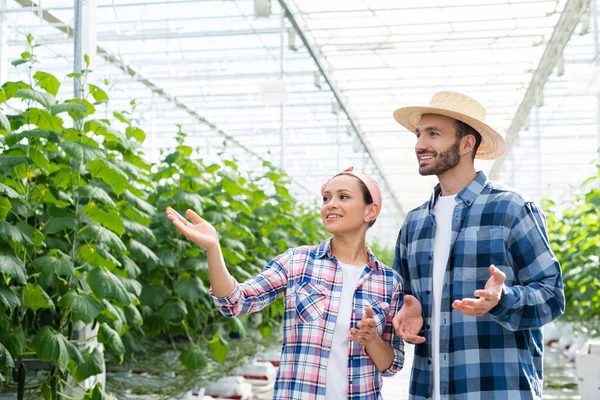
(336, 387)
(443, 210)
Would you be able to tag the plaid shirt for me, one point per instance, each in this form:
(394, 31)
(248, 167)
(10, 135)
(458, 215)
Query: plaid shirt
(311, 282)
(497, 355)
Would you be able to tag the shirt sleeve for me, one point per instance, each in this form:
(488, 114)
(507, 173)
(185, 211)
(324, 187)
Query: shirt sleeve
(539, 297)
(390, 337)
(256, 292)
(401, 260)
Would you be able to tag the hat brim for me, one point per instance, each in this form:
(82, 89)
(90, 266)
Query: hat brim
(492, 144)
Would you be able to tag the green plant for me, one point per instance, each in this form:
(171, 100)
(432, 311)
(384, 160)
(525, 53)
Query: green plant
(254, 227)
(575, 238)
(71, 209)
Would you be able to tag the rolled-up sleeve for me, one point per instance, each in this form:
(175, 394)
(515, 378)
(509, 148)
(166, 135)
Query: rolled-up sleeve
(390, 337)
(256, 292)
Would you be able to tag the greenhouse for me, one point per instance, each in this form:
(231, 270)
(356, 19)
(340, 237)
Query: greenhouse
(117, 117)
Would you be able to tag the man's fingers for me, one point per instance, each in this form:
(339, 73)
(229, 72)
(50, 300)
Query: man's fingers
(368, 312)
(485, 294)
(497, 273)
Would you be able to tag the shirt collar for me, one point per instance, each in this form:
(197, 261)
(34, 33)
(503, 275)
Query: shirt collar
(467, 195)
(324, 250)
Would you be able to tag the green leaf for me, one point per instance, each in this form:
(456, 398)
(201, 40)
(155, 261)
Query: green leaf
(174, 310)
(109, 173)
(111, 338)
(89, 107)
(12, 233)
(189, 288)
(189, 200)
(10, 192)
(45, 99)
(47, 81)
(97, 257)
(132, 286)
(39, 158)
(108, 219)
(6, 360)
(96, 394)
(36, 298)
(103, 129)
(11, 266)
(82, 152)
(84, 307)
(136, 133)
(193, 359)
(43, 119)
(36, 237)
(11, 161)
(97, 194)
(14, 341)
(76, 111)
(2, 96)
(5, 207)
(139, 203)
(97, 233)
(33, 135)
(93, 365)
(138, 229)
(60, 224)
(18, 62)
(49, 265)
(236, 325)
(218, 348)
(4, 123)
(98, 94)
(9, 298)
(265, 330)
(50, 345)
(154, 295)
(133, 315)
(142, 252)
(10, 88)
(106, 285)
(133, 271)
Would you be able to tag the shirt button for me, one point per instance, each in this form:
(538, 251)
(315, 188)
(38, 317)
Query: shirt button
(429, 258)
(427, 326)
(428, 292)
(429, 362)
(351, 382)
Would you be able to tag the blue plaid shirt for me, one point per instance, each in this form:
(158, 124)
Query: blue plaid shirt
(497, 355)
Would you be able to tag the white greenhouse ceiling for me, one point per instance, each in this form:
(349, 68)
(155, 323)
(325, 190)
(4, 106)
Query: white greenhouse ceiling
(218, 69)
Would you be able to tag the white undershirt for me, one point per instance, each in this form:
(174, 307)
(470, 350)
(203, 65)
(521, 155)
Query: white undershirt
(336, 386)
(443, 210)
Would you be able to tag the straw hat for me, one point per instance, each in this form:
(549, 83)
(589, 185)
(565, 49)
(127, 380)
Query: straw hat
(462, 108)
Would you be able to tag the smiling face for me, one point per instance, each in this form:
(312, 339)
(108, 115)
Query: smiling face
(344, 209)
(437, 148)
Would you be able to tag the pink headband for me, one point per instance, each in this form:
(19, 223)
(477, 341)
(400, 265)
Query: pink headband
(364, 178)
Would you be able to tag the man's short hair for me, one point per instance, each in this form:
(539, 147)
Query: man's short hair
(463, 130)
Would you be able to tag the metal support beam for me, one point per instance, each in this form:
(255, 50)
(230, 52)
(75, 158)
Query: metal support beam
(336, 92)
(568, 21)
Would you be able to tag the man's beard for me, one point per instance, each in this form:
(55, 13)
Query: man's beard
(442, 161)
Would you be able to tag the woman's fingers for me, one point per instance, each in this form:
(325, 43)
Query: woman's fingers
(194, 217)
(175, 216)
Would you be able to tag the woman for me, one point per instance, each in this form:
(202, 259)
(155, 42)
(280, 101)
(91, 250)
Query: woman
(339, 300)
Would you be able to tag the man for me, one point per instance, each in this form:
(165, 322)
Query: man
(478, 274)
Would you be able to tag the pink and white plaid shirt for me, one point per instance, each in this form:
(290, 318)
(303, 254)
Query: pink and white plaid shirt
(311, 281)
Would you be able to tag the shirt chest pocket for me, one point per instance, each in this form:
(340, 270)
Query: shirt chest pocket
(479, 247)
(311, 300)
